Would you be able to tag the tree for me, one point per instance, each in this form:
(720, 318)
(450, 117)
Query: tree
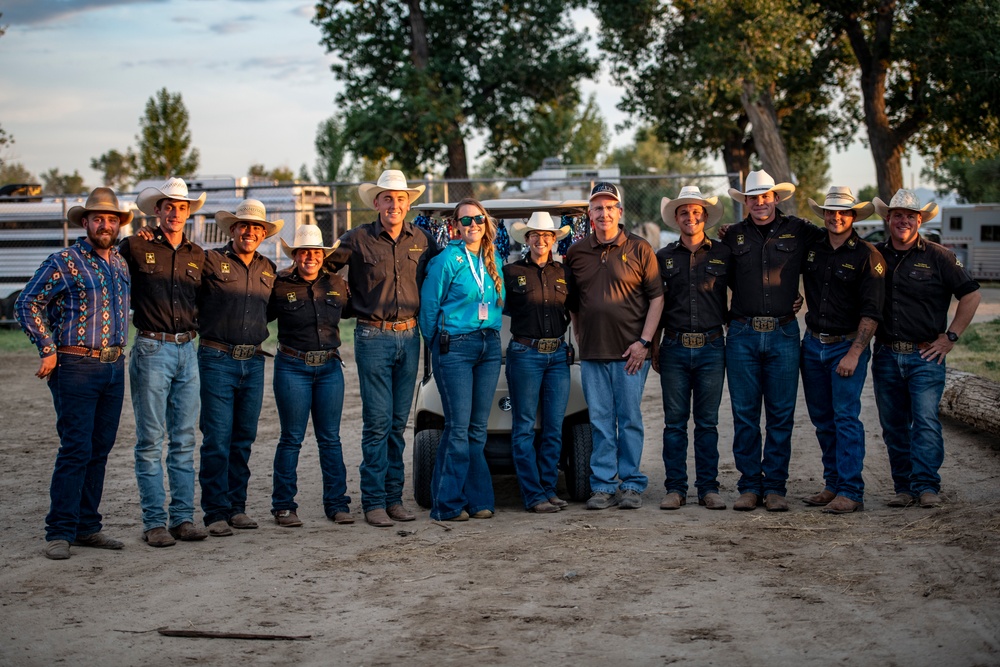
(975, 181)
(421, 75)
(165, 140)
(304, 173)
(280, 174)
(56, 184)
(118, 169)
(331, 148)
(576, 135)
(15, 172)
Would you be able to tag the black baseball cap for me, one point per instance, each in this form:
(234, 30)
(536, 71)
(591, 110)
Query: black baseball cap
(604, 188)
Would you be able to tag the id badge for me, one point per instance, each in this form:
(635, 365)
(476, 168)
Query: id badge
(484, 311)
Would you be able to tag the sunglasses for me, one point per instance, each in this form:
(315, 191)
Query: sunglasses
(467, 220)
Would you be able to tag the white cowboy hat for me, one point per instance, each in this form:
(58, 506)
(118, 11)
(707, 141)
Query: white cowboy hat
(691, 194)
(840, 198)
(391, 179)
(307, 237)
(174, 188)
(249, 210)
(908, 201)
(759, 182)
(538, 222)
(100, 200)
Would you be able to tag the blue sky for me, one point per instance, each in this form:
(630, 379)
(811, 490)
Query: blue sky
(75, 76)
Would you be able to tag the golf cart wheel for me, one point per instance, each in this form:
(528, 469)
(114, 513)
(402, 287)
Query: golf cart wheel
(425, 446)
(578, 465)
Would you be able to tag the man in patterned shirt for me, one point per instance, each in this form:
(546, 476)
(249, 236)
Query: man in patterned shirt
(75, 311)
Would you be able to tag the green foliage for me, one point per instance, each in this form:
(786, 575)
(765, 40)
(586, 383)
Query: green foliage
(978, 350)
(867, 193)
(331, 149)
(976, 181)
(164, 139)
(304, 173)
(56, 184)
(281, 174)
(118, 169)
(810, 165)
(15, 172)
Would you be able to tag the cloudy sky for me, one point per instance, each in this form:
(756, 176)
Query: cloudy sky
(75, 76)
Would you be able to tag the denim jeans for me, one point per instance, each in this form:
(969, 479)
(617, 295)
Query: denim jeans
(166, 397)
(88, 397)
(467, 380)
(763, 367)
(691, 380)
(613, 399)
(387, 372)
(539, 386)
(231, 395)
(298, 390)
(834, 404)
(908, 392)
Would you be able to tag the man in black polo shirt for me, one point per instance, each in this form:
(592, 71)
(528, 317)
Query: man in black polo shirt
(386, 261)
(844, 285)
(691, 359)
(762, 348)
(232, 312)
(163, 371)
(910, 347)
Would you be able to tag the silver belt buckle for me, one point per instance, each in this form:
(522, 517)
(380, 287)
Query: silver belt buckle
(316, 358)
(763, 324)
(902, 347)
(109, 355)
(548, 345)
(693, 340)
(243, 352)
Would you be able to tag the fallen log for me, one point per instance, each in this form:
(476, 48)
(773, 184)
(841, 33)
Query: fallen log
(972, 400)
(208, 634)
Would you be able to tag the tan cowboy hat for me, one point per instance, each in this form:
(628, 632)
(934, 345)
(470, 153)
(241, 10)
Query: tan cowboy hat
(249, 210)
(174, 188)
(908, 201)
(101, 200)
(691, 194)
(307, 237)
(759, 182)
(840, 198)
(391, 179)
(538, 222)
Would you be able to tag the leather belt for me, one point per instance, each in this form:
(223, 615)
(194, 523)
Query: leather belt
(237, 352)
(313, 357)
(694, 340)
(107, 355)
(543, 345)
(764, 324)
(179, 339)
(827, 339)
(906, 347)
(390, 325)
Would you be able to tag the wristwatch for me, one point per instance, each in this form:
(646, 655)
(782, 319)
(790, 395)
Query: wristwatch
(952, 336)
(644, 342)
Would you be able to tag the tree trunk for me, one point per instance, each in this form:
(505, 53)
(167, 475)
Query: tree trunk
(419, 53)
(458, 165)
(767, 137)
(971, 400)
(736, 156)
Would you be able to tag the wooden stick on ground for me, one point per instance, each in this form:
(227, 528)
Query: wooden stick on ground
(208, 634)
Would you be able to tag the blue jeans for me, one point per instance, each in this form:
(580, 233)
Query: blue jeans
(908, 392)
(613, 399)
(691, 380)
(387, 372)
(231, 395)
(763, 367)
(834, 404)
(88, 397)
(467, 379)
(298, 390)
(166, 397)
(539, 385)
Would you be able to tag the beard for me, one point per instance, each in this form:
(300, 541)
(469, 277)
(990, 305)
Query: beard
(101, 241)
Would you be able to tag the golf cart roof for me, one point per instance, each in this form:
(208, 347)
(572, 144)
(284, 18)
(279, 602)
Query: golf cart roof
(507, 209)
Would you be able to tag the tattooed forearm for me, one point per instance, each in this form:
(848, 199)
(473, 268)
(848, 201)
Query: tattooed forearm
(866, 329)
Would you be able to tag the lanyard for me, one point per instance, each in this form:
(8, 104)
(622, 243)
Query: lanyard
(481, 277)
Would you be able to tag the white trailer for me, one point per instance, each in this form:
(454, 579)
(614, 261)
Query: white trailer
(972, 231)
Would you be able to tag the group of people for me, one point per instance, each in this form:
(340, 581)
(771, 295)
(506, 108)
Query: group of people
(631, 308)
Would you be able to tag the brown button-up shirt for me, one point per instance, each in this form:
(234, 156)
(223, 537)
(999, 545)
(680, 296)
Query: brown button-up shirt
(694, 286)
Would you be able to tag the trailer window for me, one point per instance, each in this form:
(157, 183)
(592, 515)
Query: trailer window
(955, 223)
(989, 233)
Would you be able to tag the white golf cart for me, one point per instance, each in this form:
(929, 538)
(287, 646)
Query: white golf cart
(428, 414)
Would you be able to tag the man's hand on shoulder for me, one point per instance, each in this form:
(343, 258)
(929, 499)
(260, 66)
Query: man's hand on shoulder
(144, 233)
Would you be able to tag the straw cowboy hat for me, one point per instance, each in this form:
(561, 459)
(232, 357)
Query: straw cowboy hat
(307, 237)
(691, 194)
(759, 182)
(391, 179)
(908, 201)
(840, 198)
(249, 210)
(174, 188)
(100, 200)
(538, 222)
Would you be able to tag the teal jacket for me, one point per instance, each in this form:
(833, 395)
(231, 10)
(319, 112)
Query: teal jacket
(450, 297)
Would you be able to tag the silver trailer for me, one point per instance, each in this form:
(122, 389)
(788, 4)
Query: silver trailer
(972, 231)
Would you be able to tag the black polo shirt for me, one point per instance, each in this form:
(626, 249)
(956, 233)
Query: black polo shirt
(694, 286)
(919, 285)
(764, 273)
(165, 282)
(536, 298)
(384, 274)
(309, 312)
(232, 301)
(843, 285)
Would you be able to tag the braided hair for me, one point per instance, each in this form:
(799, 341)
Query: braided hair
(487, 249)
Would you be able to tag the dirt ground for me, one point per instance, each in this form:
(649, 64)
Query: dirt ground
(647, 587)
